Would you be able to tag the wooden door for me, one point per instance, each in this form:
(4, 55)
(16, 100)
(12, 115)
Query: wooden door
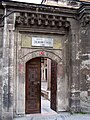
(53, 85)
(33, 86)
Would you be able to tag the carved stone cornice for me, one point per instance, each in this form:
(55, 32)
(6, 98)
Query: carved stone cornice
(84, 14)
(39, 8)
(44, 21)
(41, 16)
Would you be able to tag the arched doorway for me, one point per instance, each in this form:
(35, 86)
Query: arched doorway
(33, 86)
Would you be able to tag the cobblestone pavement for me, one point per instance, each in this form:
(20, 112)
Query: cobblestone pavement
(60, 116)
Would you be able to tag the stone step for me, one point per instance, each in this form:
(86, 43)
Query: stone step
(45, 94)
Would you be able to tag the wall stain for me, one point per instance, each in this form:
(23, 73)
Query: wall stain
(7, 97)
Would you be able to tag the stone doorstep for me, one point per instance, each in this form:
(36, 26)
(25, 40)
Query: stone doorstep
(45, 94)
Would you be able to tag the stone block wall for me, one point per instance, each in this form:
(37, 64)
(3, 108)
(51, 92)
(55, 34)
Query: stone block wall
(74, 66)
(85, 68)
(80, 66)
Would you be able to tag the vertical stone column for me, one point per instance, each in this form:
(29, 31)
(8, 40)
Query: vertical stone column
(20, 73)
(75, 66)
(42, 74)
(62, 88)
(7, 78)
(48, 74)
(11, 72)
(5, 87)
(0, 72)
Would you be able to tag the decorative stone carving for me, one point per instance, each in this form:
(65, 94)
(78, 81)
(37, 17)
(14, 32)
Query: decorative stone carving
(41, 20)
(85, 20)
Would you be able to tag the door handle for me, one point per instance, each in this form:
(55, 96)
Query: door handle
(38, 82)
(35, 83)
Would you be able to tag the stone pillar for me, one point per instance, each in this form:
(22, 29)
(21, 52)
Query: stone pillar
(45, 79)
(5, 85)
(7, 78)
(0, 72)
(62, 88)
(75, 67)
(44, 74)
(20, 80)
(48, 74)
(42, 70)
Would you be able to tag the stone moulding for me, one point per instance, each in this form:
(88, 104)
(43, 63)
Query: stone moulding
(84, 14)
(47, 54)
(43, 21)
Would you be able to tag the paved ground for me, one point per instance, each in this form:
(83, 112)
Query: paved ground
(60, 116)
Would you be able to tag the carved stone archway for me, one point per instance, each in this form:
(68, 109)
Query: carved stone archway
(61, 90)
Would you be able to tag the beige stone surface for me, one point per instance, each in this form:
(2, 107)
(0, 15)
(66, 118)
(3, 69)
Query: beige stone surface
(26, 40)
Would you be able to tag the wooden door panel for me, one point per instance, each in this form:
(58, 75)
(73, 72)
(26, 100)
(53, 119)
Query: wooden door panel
(33, 86)
(53, 85)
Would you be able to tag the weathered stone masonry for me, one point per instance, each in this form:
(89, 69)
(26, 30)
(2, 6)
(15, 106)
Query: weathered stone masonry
(1, 51)
(85, 58)
(70, 27)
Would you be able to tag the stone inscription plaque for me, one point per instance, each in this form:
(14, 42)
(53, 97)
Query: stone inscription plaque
(41, 42)
(32, 41)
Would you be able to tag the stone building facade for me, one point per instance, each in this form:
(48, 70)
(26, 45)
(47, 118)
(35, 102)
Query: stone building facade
(68, 29)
